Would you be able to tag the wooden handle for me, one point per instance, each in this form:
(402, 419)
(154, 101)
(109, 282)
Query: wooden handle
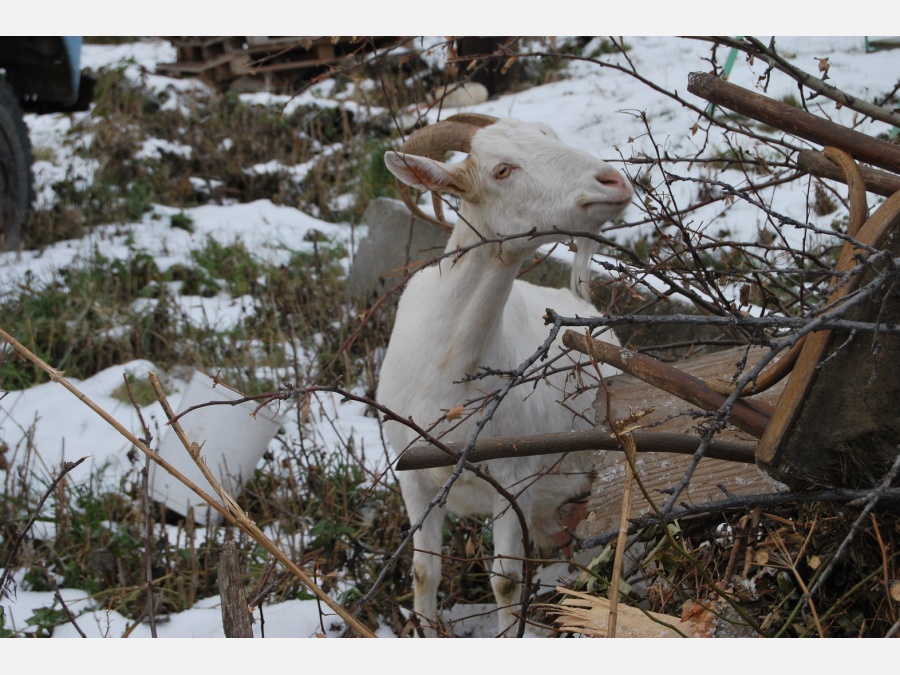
(797, 122)
(752, 417)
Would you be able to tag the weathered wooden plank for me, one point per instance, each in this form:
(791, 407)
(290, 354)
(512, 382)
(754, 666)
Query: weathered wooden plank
(667, 414)
(222, 60)
(744, 414)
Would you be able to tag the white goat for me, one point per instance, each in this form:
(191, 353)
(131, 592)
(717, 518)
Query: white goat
(471, 311)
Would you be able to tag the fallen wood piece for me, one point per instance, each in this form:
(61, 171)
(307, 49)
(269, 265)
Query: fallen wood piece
(768, 378)
(589, 615)
(236, 619)
(877, 182)
(794, 121)
(749, 416)
(428, 457)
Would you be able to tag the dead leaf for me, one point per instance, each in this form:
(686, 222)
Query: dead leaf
(455, 413)
(703, 620)
(304, 409)
(823, 65)
(511, 60)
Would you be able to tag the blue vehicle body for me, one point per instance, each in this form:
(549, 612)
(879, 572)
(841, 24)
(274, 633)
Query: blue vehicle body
(45, 72)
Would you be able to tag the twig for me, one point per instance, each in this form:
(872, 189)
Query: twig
(59, 598)
(742, 503)
(630, 453)
(148, 559)
(749, 322)
(754, 47)
(17, 543)
(884, 562)
(872, 499)
(426, 457)
(148, 520)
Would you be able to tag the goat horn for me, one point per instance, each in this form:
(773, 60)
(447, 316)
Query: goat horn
(452, 134)
(475, 119)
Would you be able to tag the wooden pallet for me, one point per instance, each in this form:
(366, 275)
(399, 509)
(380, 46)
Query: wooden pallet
(269, 63)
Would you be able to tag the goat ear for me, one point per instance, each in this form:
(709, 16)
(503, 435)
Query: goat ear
(424, 174)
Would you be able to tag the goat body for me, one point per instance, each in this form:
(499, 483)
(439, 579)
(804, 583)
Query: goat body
(470, 311)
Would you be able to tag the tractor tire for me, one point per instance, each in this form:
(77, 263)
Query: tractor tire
(16, 182)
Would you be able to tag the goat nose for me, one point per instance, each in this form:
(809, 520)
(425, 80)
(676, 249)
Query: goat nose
(615, 182)
(610, 178)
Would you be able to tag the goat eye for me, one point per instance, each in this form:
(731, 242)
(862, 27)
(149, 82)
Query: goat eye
(502, 171)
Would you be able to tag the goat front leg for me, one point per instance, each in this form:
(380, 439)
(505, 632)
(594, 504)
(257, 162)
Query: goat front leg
(509, 559)
(426, 553)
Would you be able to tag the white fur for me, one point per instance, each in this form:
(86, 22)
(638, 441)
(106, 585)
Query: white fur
(470, 311)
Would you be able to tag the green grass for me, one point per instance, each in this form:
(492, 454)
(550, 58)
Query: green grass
(100, 312)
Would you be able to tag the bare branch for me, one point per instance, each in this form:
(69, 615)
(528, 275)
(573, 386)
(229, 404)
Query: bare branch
(754, 47)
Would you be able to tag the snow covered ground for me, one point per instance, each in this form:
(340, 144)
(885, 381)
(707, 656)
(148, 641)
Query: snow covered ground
(593, 109)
